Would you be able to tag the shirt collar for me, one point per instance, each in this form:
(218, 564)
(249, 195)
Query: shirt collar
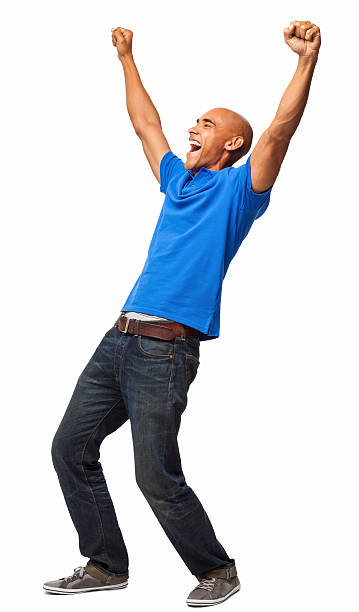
(191, 172)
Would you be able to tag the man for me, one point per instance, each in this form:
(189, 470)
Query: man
(144, 365)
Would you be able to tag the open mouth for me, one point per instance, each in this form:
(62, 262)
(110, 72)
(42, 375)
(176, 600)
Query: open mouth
(195, 146)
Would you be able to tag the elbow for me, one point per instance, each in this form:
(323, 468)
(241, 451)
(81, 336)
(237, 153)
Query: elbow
(279, 133)
(139, 129)
(143, 127)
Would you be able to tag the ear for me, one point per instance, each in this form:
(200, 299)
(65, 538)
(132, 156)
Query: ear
(235, 143)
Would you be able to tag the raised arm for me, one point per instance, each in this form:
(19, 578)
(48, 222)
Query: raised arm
(303, 37)
(143, 114)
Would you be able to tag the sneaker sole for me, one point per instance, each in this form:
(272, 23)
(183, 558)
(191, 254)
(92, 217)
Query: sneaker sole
(211, 602)
(75, 591)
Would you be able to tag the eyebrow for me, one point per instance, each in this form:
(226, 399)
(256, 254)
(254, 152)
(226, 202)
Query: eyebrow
(206, 119)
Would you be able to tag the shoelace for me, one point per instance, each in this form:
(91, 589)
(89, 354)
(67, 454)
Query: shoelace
(78, 573)
(206, 583)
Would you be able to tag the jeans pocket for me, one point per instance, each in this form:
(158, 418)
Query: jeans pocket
(155, 347)
(193, 347)
(193, 341)
(191, 366)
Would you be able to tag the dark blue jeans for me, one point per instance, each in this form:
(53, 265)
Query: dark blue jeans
(146, 380)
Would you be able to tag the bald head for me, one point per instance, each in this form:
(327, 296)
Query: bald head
(235, 125)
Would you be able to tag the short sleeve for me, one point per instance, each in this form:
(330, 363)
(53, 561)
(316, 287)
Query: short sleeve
(170, 166)
(256, 203)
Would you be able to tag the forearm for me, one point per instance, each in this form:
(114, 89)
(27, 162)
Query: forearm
(293, 101)
(139, 104)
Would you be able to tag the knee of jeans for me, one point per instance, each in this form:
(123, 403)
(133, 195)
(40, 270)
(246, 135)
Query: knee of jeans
(148, 483)
(61, 449)
(143, 484)
(158, 486)
(156, 496)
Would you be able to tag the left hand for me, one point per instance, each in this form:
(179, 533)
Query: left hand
(303, 37)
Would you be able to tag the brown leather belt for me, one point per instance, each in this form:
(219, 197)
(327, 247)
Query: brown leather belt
(165, 330)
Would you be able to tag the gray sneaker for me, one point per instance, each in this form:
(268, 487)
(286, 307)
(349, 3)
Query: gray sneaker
(88, 578)
(214, 587)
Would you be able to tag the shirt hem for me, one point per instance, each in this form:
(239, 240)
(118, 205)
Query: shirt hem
(168, 314)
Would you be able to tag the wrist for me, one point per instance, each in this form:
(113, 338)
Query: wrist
(127, 58)
(308, 60)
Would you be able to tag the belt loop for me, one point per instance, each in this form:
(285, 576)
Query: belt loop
(228, 572)
(137, 324)
(183, 334)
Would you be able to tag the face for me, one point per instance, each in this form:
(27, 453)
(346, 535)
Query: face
(212, 138)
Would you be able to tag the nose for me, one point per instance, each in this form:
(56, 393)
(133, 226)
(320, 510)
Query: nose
(191, 130)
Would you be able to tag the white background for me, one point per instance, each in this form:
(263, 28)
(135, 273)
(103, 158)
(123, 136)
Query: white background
(269, 437)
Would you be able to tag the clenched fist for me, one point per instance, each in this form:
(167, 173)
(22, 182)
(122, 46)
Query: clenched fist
(122, 39)
(303, 37)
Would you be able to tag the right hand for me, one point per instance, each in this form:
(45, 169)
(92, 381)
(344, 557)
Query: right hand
(303, 37)
(122, 39)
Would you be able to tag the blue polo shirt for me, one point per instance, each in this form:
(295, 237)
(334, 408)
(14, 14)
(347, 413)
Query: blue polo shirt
(203, 220)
